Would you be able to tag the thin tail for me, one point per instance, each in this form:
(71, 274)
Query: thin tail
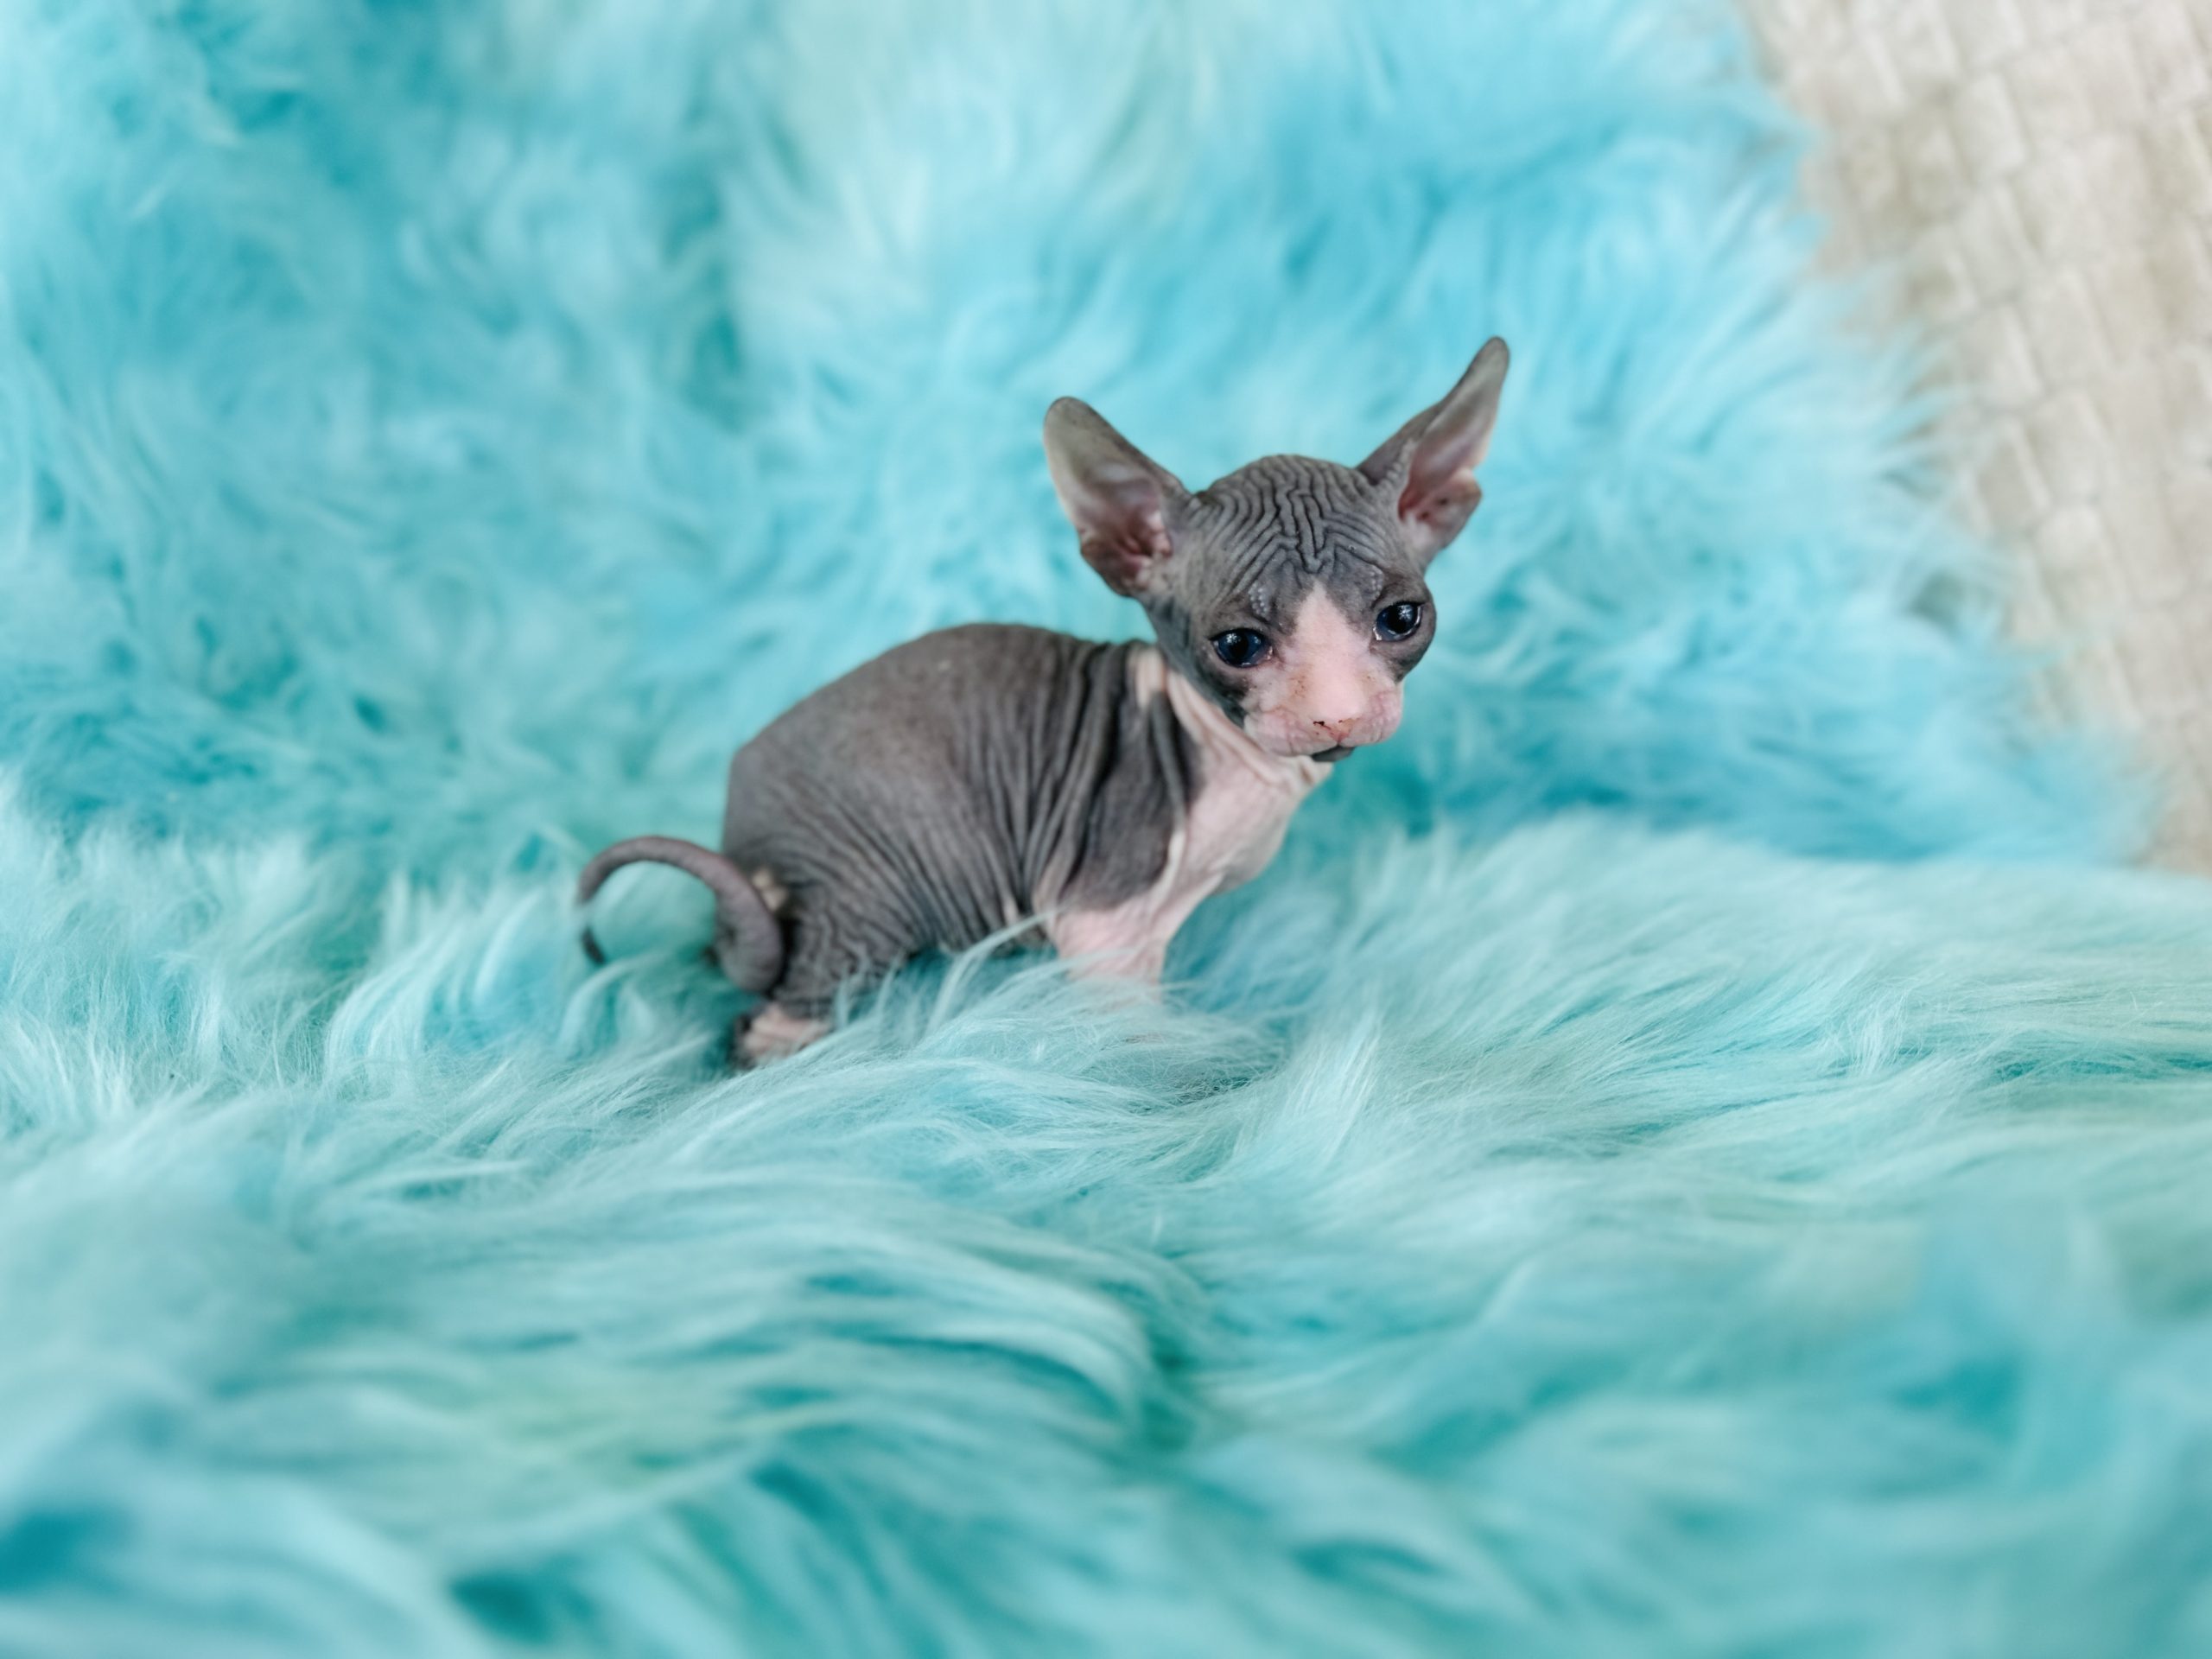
(748, 939)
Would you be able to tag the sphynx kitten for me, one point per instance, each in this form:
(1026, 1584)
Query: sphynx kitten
(988, 776)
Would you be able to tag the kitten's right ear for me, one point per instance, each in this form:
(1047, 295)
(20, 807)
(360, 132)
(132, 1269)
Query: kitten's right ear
(1429, 462)
(1117, 499)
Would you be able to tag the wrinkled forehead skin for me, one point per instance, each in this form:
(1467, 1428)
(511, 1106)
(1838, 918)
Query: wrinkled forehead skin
(1251, 548)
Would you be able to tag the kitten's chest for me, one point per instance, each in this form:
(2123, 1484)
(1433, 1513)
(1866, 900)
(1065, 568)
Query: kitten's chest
(1232, 823)
(1235, 826)
(1235, 818)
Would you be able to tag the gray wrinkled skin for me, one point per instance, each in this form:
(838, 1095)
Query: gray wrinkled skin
(1250, 546)
(987, 777)
(953, 786)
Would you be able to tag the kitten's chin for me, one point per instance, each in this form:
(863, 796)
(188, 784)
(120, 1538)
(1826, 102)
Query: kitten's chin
(1295, 745)
(1295, 751)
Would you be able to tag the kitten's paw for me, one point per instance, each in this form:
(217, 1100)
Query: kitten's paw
(769, 1033)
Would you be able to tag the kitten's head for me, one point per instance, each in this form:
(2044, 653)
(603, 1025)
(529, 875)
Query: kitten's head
(1291, 591)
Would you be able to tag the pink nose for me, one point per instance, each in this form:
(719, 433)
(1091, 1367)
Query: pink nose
(1339, 729)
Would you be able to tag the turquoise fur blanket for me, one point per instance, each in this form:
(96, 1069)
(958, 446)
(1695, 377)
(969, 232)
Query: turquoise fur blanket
(1694, 1149)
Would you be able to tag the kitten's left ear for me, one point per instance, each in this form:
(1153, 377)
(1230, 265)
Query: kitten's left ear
(1431, 460)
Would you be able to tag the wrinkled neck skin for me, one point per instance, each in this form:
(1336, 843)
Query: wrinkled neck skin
(1231, 824)
(1228, 755)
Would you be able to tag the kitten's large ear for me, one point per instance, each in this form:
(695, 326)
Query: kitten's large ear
(1431, 460)
(1118, 500)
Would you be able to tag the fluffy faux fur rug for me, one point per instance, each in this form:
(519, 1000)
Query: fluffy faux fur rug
(1685, 1154)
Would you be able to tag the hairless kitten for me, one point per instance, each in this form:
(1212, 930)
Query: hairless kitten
(984, 777)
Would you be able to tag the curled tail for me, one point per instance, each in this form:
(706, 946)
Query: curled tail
(748, 939)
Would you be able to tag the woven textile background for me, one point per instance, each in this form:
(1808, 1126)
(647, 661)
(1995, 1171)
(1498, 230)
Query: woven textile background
(2038, 175)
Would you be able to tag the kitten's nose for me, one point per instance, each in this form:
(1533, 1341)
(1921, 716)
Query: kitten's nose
(1339, 729)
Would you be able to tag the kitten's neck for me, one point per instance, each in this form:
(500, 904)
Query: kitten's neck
(1220, 741)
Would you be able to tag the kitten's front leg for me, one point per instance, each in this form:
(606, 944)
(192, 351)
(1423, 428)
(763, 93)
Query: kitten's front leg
(1125, 948)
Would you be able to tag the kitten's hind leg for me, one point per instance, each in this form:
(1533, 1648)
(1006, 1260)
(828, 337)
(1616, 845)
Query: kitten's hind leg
(771, 1032)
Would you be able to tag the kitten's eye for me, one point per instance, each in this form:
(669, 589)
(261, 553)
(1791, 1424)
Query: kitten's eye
(1240, 647)
(1396, 621)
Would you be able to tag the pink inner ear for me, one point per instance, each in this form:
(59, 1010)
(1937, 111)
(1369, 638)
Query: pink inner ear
(1116, 498)
(1444, 455)
(1443, 505)
(1436, 454)
(1122, 545)
(1122, 527)
(1440, 493)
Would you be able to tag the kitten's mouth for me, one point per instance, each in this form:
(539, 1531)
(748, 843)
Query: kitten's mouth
(1329, 757)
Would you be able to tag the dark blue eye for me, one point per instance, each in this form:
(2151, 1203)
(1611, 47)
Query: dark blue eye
(1240, 647)
(1397, 621)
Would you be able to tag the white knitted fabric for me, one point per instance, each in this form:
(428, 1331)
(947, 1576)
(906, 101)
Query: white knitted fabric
(2038, 174)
